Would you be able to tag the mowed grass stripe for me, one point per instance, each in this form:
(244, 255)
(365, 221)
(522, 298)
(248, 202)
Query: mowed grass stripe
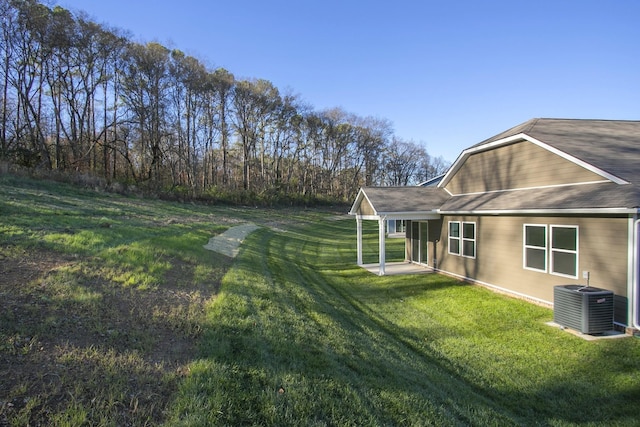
(501, 348)
(287, 348)
(105, 298)
(399, 365)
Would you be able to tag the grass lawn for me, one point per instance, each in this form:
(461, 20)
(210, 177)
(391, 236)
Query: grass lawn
(299, 333)
(112, 313)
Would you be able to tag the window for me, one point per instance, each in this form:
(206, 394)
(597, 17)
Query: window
(454, 237)
(564, 250)
(469, 239)
(462, 237)
(535, 247)
(552, 249)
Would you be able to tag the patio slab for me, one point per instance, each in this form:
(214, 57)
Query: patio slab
(398, 268)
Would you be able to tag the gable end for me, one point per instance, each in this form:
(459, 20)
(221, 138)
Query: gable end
(517, 165)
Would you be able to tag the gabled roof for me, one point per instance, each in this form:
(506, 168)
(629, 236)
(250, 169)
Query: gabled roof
(400, 200)
(612, 146)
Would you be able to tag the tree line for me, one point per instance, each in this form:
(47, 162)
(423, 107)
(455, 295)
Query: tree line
(79, 97)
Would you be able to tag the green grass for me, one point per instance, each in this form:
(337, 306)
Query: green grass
(301, 335)
(116, 315)
(101, 302)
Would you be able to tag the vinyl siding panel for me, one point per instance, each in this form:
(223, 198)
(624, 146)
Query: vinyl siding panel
(499, 255)
(365, 208)
(519, 165)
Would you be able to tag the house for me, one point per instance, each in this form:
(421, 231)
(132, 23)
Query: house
(549, 202)
(398, 228)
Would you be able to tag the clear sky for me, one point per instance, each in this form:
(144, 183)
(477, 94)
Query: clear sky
(448, 74)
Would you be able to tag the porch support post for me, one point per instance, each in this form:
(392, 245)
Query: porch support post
(359, 245)
(634, 291)
(381, 239)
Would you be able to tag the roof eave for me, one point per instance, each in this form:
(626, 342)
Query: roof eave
(432, 214)
(575, 211)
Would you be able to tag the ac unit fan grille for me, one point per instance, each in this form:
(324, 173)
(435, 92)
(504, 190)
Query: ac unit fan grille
(586, 309)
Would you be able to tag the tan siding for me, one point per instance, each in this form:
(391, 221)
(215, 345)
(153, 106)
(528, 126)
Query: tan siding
(365, 208)
(519, 165)
(435, 230)
(602, 252)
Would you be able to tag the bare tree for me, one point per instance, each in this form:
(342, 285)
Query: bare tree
(222, 84)
(431, 167)
(27, 76)
(145, 81)
(254, 103)
(403, 161)
(78, 96)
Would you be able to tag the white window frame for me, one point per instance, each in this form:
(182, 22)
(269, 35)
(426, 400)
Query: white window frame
(467, 239)
(459, 238)
(545, 247)
(552, 250)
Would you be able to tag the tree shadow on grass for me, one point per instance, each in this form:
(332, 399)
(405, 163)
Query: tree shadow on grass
(72, 342)
(288, 329)
(290, 344)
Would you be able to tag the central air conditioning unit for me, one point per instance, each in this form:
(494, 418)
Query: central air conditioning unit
(583, 308)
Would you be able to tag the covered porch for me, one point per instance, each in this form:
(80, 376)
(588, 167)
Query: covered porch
(415, 204)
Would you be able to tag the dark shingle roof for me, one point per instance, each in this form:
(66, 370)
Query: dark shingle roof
(405, 199)
(610, 145)
(606, 195)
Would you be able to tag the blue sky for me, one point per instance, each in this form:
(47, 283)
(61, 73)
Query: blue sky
(448, 74)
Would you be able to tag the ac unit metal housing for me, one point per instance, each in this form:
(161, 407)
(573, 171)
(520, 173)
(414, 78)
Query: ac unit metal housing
(583, 308)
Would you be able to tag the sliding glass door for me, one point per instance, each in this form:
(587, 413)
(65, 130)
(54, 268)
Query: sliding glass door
(420, 242)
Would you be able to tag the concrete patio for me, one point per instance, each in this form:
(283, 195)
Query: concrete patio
(397, 268)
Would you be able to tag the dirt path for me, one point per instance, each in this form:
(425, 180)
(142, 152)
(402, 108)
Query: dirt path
(228, 243)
